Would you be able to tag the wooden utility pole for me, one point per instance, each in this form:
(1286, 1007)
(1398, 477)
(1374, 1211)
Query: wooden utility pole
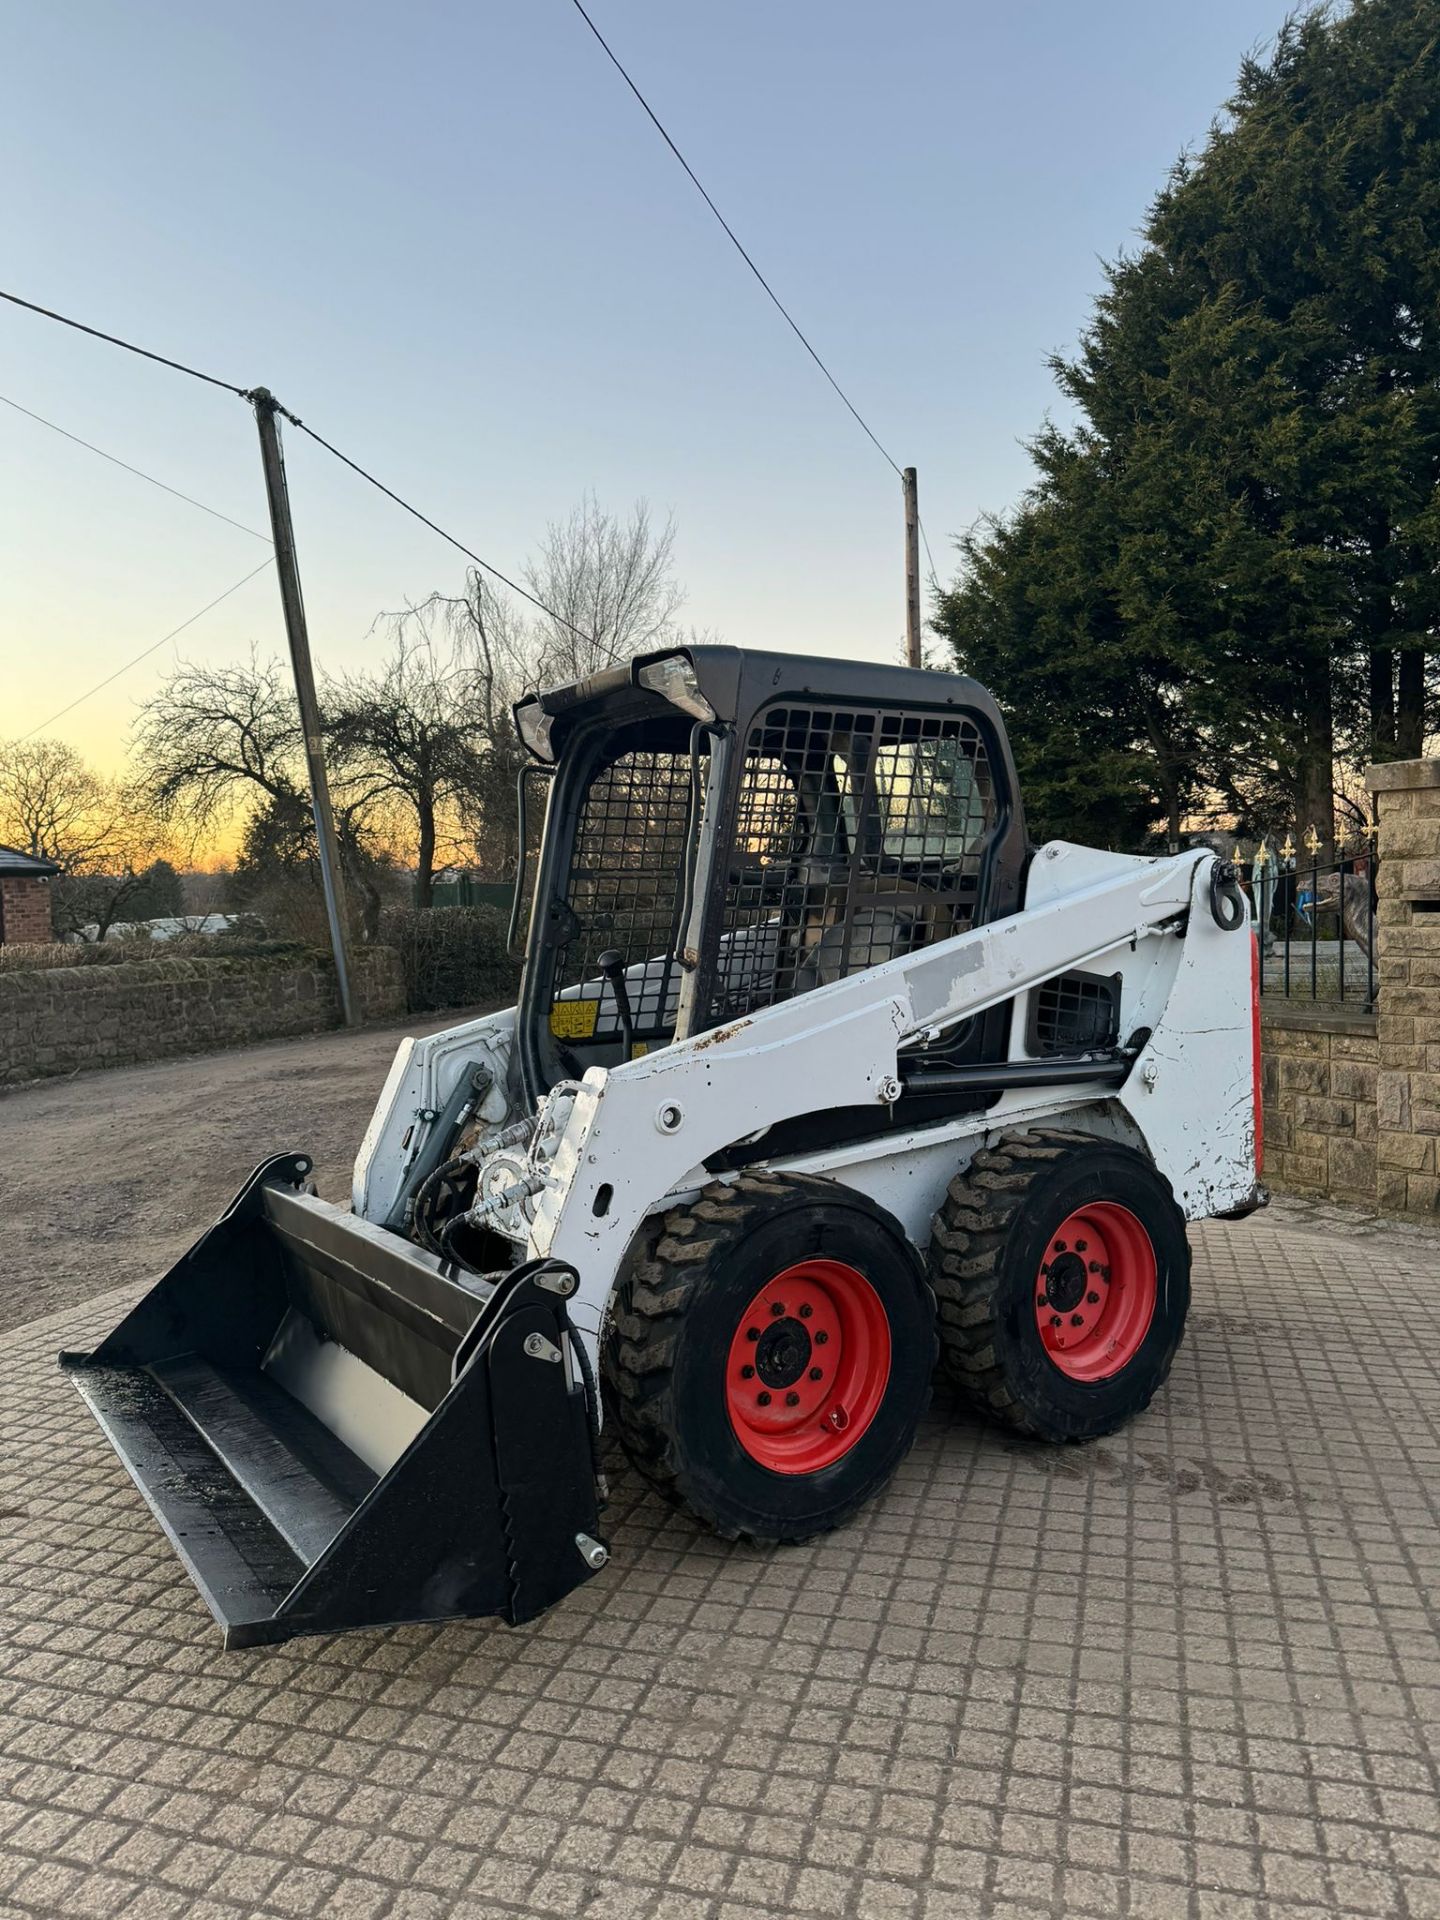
(913, 656)
(331, 878)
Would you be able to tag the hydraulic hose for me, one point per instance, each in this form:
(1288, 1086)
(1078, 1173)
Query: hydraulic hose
(427, 1193)
(518, 1134)
(592, 1408)
(444, 1247)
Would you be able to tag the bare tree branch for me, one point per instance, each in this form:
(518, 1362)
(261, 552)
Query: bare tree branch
(212, 735)
(613, 579)
(421, 750)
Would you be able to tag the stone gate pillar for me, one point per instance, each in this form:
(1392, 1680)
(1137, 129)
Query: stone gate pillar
(1407, 798)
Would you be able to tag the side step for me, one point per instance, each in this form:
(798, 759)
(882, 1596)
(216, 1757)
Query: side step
(491, 1506)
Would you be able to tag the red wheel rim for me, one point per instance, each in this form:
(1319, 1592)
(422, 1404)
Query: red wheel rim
(808, 1366)
(1096, 1291)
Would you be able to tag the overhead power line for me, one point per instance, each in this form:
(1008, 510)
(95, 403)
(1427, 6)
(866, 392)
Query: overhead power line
(934, 577)
(115, 461)
(248, 394)
(426, 521)
(735, 240)
(129, 345)
(154, 647)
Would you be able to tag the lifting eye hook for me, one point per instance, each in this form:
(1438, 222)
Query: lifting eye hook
(1227, 898)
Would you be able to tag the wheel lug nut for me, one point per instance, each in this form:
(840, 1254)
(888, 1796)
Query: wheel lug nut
(816, 1374)
(1077, 1319)
(1094, 1266)
(1093, 1299)
(821, 1338)
(1080, 1245)
(805, 1312)
(777, 1307)
(752, 1333)
(792, 1399)
(762, 1399)
(747, 1373)
(1041, 1298)
(1055, 1320)
(1059, 1246)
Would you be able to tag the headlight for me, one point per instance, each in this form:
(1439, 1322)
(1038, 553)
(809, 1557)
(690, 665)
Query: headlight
(535, 726)
(673, 678)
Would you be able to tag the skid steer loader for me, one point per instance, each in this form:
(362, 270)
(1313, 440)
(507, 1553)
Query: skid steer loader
(819, 1075)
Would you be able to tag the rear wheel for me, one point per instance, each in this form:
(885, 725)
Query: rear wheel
(769, 1357)
(1062, 1273)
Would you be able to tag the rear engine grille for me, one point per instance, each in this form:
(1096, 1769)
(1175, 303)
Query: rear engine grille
(1075, 1013)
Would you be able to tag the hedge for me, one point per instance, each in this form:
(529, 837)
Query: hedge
(451, 956)
(116, 953)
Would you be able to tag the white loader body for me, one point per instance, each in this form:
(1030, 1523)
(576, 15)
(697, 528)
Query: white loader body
(627, 1141)
(908, 1094)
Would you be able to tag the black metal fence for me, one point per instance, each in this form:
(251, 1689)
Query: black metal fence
(1316, 920)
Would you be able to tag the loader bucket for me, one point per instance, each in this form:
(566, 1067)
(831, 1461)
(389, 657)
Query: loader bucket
(337, 1430)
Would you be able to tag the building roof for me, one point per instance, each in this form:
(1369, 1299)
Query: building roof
(26, 865)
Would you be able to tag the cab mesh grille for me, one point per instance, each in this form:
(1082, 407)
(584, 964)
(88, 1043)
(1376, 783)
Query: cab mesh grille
(858, 837)
(626, 880)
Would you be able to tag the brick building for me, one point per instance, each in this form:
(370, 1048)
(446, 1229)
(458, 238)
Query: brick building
(25, 898)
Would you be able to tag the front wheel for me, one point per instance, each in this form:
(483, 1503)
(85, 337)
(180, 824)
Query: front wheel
(770, 1355)
(1062, 1272)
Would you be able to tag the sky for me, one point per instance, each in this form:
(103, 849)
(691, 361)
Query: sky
(447, 238)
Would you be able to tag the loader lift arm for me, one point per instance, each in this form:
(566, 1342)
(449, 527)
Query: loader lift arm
(844, 1045)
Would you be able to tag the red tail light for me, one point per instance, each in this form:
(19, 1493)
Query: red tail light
(1255, 1051)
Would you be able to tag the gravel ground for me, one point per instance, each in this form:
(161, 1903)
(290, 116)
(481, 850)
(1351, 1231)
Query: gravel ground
(107, 1177)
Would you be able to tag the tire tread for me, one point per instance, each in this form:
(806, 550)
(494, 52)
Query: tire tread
(647, 1325)
(967, 1271)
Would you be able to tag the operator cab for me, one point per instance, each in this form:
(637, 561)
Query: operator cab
(727, 829)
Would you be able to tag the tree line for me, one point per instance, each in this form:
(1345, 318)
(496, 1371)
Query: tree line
(1220, 597)
(1217, 601)
(420, 750)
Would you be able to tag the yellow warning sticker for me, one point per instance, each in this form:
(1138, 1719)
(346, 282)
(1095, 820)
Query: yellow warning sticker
(639, 1050)
(574, 1019)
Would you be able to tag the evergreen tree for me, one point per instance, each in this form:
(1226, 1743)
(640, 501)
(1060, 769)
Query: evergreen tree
(1258, 455)
(158, 894)
(1095, 698)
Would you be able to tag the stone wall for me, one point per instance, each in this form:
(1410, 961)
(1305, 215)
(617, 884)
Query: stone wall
(1352, 1100)
(25, 910)
(63, 1019)
(1319, 1068)
(1407, 802)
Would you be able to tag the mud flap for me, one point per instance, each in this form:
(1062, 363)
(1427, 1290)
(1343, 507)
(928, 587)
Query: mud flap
(337, 1430)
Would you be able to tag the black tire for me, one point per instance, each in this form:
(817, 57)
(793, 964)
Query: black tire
(667, 1351)
(991, 1236)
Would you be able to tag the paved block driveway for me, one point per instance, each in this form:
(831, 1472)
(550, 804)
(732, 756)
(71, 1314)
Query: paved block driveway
(1192, 1671)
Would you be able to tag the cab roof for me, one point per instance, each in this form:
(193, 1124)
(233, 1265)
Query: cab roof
(738, 681)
